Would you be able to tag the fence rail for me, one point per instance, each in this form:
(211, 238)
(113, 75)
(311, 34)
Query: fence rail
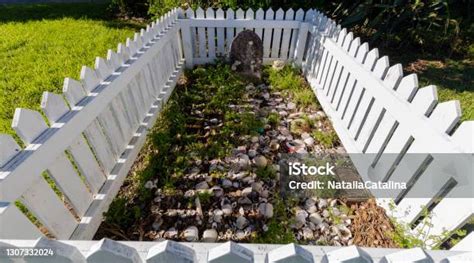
(93, 138)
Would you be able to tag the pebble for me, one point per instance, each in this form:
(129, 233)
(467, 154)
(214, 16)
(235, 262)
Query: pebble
(202, 186)
(226, 183)
(246, 191)
(266, 210)
(291, 106)
(252, 153)
(315, 218)
(171, 233)
(209, 235)
(261, 161)
(227, 209)
(241, 222)
(191, 234)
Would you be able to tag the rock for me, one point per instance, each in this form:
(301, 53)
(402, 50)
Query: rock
(261, 161)
(266, 210)
(202, 186)
(217, 191)
(240, 149)
(321, 114)
(150, 185)
(307, 233)
(235, 184)
(300, 218)
(295, 146)
(315, 218)
(252, 153)
(189, 194)
(239, 235)
(217, 215)
(241, 222)
(254, 139)
(311, 209)
(209, 235)
(322, 203)
(309, 141)
(227, 209)
(264, 194)
(283, 113)
(278, 65)
(244, 201)
(309, 203)
(226, 183)
(246, 191)
(171, 233)
(257, 187)
(291, 106)
(214, 121)
(191, 234)
(243, 161)
(326, 213)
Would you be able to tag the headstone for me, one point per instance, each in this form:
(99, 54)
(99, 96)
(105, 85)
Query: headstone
(246, 54)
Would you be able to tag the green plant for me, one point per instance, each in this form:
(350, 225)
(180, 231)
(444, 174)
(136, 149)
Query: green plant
(326, 138)
(205, 197)
(273, 118)
(266, 173)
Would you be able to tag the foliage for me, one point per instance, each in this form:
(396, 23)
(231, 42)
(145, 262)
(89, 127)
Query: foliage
(326, 138)
(266, 173)
(433, 25)
(406, 235)
(129, 8)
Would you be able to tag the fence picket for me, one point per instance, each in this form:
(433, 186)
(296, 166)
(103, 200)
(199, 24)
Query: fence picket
(259, 16)
(10, 215)
(276, 41)
(211, 35)
(239, 14)
(220, 35)
(267, 35)
(249, 15)
(295, 33)
(340, 85)
(201, 35)
(229, 30)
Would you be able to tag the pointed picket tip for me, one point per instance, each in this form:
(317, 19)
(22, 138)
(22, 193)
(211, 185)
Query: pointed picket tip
(353, 47)
(425, 100)
(280, 13)
(189, 13)
(347, 254)
(53, 106)
(170, 251)
(180, 13)
(108, 250)
(347, 41)
(199, 12)
(210, 12)
(381, 67)
(89, 78)
(132, 47)
(249, 14)
(362, 53)
(102, 68)
(123, 51)
(463, 136)
(414, 254)
(393, 76)
(289, 253)
(259, 14)
(446, 115)
(408, 86)
(8, 148)
(269, 14)
(114, 59)
(62, 252)
(73, 91)
(371, 58)
(340, 38)
(28, 124)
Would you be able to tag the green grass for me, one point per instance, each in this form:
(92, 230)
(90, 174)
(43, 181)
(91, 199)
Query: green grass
(41, 44)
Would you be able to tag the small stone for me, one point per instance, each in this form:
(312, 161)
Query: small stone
(217, 191)
(246, 191)
(322, 203)
(209, 235)
(244, 201)
(326, 213)
(309, 141)
(257, 187)
(202, 186)
(191, 234)
(307, 233)
(315, 218)
(254, 139)
(283, 113)
(157, 224)
(266, 210)
(252, 153)
(261, 161)
(265, 228)
(241, 222)
(214, 121)
(189, 194)
(291, 106)
(150, 184)
(226, 183)
(235, 184)
(243, 161)
(171, 233)
(227, 209)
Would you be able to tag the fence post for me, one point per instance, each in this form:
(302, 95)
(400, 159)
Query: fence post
(187, 43)
(300, 44)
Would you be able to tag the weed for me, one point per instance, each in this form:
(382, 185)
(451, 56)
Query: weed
(266, 173)
(327, 138)
(273, 119)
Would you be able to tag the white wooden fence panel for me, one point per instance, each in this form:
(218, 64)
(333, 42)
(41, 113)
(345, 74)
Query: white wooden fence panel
(259, 16)
(201, 35)
(229, 15)
(10, 216)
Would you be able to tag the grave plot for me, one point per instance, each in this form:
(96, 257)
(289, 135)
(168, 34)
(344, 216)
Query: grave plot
(210, 172)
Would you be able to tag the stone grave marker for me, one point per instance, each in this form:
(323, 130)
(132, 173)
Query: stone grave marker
(246, 54)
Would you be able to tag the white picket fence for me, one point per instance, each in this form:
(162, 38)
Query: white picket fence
(374, 109)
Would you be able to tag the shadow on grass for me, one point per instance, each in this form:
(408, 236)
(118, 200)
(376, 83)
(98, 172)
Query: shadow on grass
(52, 11)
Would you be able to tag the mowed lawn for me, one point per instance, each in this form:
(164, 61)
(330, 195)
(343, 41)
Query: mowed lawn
(41, 44)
